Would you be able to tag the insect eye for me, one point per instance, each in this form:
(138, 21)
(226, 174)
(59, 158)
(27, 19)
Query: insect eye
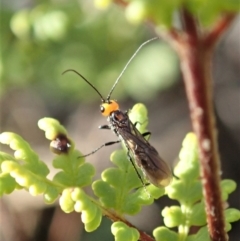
(102, 109)
(108, 108)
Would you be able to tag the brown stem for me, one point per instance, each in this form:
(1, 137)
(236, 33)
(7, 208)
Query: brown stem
(195, 53)
(216, 32)
(189, 24)
(114, 217)
(195, 64)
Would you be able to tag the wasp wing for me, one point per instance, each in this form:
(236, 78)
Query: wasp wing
(146, 156)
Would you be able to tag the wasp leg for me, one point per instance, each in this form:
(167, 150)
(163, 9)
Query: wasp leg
(148, 133)
(135, 168)
(139, 176)
(105, 144)
(137, 122)
(105, 127)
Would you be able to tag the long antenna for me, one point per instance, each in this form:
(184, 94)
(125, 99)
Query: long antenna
(129, 61)
(72, 70)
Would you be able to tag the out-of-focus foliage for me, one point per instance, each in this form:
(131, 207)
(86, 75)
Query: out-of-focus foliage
(162, 12)
(42, 40)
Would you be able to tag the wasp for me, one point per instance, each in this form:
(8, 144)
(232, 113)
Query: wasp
(139, 151)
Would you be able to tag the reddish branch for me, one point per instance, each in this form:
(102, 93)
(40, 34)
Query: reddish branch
(114, 217)
(218, 30)
(195, 52)
(196, 62)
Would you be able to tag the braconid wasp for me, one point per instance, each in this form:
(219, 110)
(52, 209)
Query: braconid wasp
(139, 150)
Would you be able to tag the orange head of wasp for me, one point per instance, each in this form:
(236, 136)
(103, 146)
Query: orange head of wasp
(108, 107)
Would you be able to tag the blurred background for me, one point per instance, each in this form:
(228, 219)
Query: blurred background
(40, 40)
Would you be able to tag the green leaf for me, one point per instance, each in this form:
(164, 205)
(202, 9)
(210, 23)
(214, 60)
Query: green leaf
(188, 166)
(201, 235)
(173, 216)
(7, 183)
(197, 215)
(122, 232)
(95, 223)
(232, 215)
(76, 199)
(139, 114)
(24, 153)
(35, 183)
(187, 189)
(75, 172)
(5, 156)
(164, 234)
(115, 190)
(30, 174)
(66, 202)
(227, 187)
(185, 192)
(51, 127)
(51, 194)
